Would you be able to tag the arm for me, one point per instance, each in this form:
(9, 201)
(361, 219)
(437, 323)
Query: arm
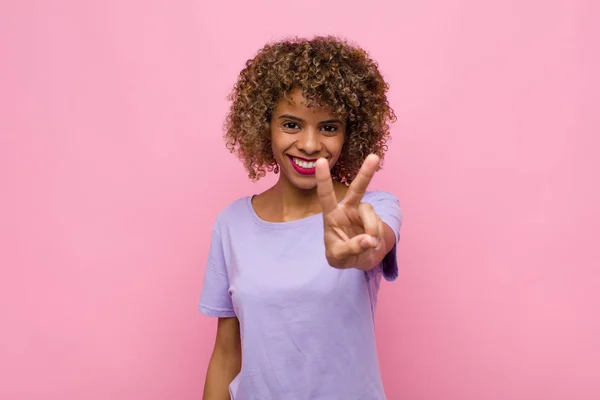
(225, 362)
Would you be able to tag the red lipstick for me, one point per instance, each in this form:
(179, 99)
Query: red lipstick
(302, 165)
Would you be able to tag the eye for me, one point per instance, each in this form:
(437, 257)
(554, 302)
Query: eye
(329, 128)
(291, 125)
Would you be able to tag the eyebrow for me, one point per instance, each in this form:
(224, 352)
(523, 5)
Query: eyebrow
(329, 121)
(287, 116)
(332, 121)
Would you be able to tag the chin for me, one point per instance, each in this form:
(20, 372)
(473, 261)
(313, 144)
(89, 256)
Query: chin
(303, 183)
(306, 185)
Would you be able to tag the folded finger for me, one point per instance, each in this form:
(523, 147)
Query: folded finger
(356, 246)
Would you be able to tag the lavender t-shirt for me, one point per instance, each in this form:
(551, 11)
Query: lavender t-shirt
(307, 329)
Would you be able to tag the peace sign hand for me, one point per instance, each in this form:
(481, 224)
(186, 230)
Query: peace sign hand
(353, 232)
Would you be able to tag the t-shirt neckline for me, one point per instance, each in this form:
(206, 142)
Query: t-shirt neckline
(282, 225)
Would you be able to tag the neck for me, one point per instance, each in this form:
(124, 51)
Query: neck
(296, 203)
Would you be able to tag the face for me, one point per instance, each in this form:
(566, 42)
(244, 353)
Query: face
(301, 135)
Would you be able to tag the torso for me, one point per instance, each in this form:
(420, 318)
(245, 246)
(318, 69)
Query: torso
(307, 329)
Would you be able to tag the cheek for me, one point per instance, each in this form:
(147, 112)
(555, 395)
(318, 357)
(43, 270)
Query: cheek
(337, 144)
(278, 146)
(275, 142)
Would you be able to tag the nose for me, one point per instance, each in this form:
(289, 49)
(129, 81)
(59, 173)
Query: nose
(309, 141)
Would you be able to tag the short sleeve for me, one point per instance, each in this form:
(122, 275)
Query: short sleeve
(215, 300)
(387, 206)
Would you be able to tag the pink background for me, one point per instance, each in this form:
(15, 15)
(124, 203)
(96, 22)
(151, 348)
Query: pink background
(110, 152)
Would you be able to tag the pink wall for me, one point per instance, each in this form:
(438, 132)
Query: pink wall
(110, 144)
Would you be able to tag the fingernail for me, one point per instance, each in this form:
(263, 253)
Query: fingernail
(369, 242)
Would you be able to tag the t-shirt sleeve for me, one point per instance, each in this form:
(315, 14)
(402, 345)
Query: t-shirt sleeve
(215, 300)
(387, 206)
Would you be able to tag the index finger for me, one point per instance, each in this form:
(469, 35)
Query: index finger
(359, 185)
(325, 190)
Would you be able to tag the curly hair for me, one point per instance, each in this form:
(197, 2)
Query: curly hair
(332, 74)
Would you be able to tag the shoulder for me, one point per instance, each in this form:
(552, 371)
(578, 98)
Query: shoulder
(378, 196)
(387, 206)
(233, 211)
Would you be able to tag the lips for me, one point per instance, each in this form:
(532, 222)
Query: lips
(302, 165)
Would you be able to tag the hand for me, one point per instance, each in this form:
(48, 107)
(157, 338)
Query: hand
(354, 233)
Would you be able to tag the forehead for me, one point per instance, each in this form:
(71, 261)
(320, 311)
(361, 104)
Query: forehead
(295, 103)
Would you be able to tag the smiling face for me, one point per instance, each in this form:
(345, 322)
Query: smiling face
(300, 135)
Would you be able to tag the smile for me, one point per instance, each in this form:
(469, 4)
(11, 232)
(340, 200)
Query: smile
(303, 166)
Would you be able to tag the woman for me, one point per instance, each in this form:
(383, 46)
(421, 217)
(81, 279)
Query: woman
(293, 272)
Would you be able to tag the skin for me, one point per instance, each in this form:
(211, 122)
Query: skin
(355, 236)
(225, 362)
(297, 130)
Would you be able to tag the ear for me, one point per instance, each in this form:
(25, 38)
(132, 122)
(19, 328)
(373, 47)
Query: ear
(337, 172)
(273, 166)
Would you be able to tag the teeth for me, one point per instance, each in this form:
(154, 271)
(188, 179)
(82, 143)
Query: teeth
(305, 164)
